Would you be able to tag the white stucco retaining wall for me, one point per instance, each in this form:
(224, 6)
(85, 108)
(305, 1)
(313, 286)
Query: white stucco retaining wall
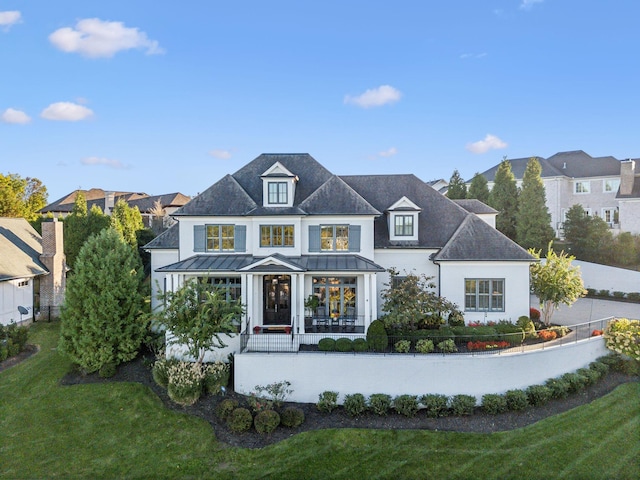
(179, 351)
(602, 277)
(311, 374)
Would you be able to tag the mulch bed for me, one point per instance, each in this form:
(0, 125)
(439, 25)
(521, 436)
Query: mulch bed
(139, 370)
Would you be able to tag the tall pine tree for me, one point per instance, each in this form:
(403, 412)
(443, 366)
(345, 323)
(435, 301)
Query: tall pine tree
(504, 198)
(533, 221)
(80, 225)
(479, 188)
(457, 187)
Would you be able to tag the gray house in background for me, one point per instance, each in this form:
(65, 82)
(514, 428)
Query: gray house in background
(603, 186)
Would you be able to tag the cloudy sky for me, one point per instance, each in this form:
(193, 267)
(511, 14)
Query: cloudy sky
(159, 96)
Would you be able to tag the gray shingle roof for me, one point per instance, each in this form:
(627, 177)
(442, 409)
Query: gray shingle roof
(335, 197)
(225, 197)
(20, 249)
(475, 206)
(169, 239)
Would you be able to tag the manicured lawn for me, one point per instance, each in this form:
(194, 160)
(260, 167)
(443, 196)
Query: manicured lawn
(123, 431)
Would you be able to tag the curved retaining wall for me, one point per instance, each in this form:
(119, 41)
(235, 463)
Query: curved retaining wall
(312, 373)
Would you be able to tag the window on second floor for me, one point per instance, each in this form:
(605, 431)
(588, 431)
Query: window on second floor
(403, 225)
(334, 238)
(276, 236)
(278, 193)
(220, 238)
(611, 185)
(582, 187)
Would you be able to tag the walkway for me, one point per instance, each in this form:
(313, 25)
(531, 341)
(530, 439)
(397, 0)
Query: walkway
(587, 309)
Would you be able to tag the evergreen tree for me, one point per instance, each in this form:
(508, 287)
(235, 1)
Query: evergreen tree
(479, 188)
(102, 321)
(457, 187)
(533, 221)
(589, 237)
(504, 198)
(126, 221)
(80, 225)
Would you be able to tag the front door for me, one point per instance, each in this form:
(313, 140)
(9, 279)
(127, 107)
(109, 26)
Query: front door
(277, 300)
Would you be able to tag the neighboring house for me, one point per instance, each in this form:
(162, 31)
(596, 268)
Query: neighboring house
(283, 228)
(32, 269)
(106, 200)
(441, 185)
(575, 177)
(629, 196)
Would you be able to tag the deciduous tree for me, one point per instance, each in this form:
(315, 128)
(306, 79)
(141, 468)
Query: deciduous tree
(588, 236)
(533, 221)
(21, 197)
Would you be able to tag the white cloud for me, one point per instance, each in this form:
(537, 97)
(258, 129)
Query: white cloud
(91, 161)
(66, 111)
(9, 18)
(528, 4)
(388, 153)
(95, 38)
(375, 97)
(11, 115)
(220, 154)
(490, 142)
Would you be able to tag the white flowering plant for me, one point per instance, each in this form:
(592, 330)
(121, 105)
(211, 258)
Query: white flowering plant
(623, 336)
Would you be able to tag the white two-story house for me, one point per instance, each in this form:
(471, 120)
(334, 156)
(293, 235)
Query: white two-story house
(283, 228)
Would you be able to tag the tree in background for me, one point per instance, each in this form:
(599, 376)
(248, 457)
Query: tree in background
(126, 221)
(533, 221)
(625, 251)
(80, 225)
(504, 198)
(457, 188)
(102, 321)
(21, 197)
(588, 237)
(479, 189)
(555, 281)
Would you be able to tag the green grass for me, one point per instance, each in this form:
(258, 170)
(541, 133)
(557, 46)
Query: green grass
(116, 430)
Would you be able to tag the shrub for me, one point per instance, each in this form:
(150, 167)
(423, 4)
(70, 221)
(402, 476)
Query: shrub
(344, 345)
(160, 372)
(591, 376)
(559, 330)
(292, 417)
(216, 376)
(482, 333)
(600, 367)
(402, 346)
(634, 296)
(558, 386)
(527, 326)
(327, 345)
(623, 337)
(435, 405)
(240, 420)
(534, 314)
(463, 404)
(424, 346)
(547, 335)
(617, 294)
(107, 370)
(575, 381)
(185, 382)
(510, 332)
(225, 408)
(456, 319)
(4, 352)
(355, 404)
(380, 403)
(447, 346)
(406, 405)
(538, 395)
(266, 421)
(493, 403)
(591, 292)
(360, 345)
(377, 336)
(602, 293)
(327, 401)
(516, 400)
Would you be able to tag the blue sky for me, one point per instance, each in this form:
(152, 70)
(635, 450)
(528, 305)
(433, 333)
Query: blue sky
(159, 96)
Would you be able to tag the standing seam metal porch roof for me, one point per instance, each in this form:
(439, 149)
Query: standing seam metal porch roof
(308, 263)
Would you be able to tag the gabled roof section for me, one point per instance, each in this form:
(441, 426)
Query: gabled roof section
(437, 221)
(169, 239)
(94, 196)
(335, 197)
(225, 197)
(145, 204)
(474, 240)
(273, 262)
(519, 165)
(20, 249)
(474, 205)
(404, 204)
(277, 170)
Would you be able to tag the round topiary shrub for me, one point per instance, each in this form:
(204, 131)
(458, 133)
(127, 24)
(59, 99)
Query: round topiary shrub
(292, 417)
(360, 345)
(516, 400)
(435, 404)
(538, 395)
(344, 345)
(327, 345)
(240, 420)
(463, 404)
(425, 346)
(225, 408)
(377, 337)
(493, 403)
(456, 319)
(355, 404)
(266, 421)
(406, 405)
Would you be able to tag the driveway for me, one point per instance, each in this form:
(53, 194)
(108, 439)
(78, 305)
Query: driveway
(587, 309)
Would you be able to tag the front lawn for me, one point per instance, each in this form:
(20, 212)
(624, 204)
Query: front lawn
(117, 430)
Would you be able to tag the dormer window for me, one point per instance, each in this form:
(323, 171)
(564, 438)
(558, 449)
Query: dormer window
(278, 186)
(403, 220)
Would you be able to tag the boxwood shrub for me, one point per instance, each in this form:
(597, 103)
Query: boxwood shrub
(327, 344)
(538, 394)
(575, 381)
(240, 420)
(516, 400)
(406, 405)
(327, 401)
(344, 345)
(360, 345)
(266, 421)
(603, 368)
(225, 407)
(494, 403)
(591, 376)
(292, 417)
(377, 337)
(435, 405)
(462, 404)
(558, 386)
(380, 403)
(355, 404)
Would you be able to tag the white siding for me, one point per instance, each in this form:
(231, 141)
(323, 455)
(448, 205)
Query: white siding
(12, 296)
(160, 258)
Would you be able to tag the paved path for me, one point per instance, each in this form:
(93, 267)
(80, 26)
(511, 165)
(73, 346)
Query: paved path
(587, 309)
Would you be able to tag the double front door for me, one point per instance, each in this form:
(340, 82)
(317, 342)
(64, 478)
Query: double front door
(277, 300)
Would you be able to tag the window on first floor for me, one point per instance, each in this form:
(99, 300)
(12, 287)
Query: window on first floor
(334, 238)
(337, 296)
(403, 225)
(610, 215)
(276, 235)
(220, 238)
(232, 286)
(483, 294)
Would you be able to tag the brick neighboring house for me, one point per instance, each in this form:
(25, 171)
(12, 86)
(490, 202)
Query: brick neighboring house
(106, 200)
(32, 269)
(575, 177)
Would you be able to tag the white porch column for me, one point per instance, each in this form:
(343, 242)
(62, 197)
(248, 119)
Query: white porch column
(250, 303)
(366, 287)
(374, 296)
(294, 297)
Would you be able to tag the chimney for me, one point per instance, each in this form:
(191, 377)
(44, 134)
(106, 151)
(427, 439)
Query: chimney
(109, 202)
(627, 176)
(52, 286)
